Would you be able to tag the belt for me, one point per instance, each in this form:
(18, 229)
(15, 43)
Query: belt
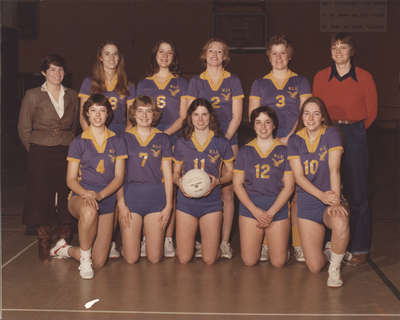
(345, 121)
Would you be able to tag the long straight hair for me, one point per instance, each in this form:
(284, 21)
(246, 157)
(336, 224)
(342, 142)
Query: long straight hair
(98, 75)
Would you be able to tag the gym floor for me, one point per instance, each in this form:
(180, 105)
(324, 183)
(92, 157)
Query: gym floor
(226, 290)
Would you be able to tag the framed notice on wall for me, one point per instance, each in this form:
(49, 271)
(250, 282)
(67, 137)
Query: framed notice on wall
(353, 15)
(243, 25)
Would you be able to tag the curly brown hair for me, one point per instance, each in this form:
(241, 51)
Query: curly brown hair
(203, 56)
(141, 101)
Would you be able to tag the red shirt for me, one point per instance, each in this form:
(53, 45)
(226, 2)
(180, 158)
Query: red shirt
(348, 98)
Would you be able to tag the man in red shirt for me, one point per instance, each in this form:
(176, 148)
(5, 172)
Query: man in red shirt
(349, 93)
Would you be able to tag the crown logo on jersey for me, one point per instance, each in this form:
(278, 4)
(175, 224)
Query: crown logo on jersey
(155, 150)
(173, 90)
(226, 93)
(111, 154)
(292, 92)
(277, 159)
(322, 154)
(213, 155)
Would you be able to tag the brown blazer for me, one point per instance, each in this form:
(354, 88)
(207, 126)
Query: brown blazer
(39, 122)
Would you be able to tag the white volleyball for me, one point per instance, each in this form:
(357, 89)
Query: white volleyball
(196, 183)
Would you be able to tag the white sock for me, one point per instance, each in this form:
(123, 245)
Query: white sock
(86, 254)
(336, 259)
(168, 238)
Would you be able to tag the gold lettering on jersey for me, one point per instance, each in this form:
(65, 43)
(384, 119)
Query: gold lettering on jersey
(226, 93)
(156, 150)
(292, 92)
(280, 100)
(173, 90)
(113, 101)
(161, 101)
(322, 153)
(262, 171)
(111, 154)
(310, 167)
(213, 155)
(215, 102)
(278, 159)
(144, 156)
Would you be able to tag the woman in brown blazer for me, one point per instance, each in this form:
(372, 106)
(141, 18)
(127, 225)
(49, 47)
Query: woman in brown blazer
(47, 123)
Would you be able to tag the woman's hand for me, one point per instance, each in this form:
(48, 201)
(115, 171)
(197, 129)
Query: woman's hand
(262, 217)
(89, 199)
(124, 214)
(337, 210)
(213, 183)
(330, 198)
(164, 217)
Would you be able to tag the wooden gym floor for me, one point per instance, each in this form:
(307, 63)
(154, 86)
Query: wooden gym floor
(227, 290)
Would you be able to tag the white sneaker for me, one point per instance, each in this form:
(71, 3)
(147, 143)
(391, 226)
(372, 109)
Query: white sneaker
(169, 250)
(264, 253)
(60, 250)
(85, 269)
(143, 247)
(114, 253)
(298, 254)
(197, 253)
(334, 279)
(226, 250)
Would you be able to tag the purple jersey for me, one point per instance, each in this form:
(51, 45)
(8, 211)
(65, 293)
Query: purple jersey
(208, 157)
(220, 95)
(144, 157)
(117, 102)
(263, 171)
(284, 99)
(96, 163)
(314, 157)
(167, 96)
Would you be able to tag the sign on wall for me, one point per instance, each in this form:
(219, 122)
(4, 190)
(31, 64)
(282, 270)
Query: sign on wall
(353, 15)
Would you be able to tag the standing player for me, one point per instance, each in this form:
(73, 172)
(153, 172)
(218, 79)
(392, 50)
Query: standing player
(314, 153)
(224, 90)
(167, 89)
(47, 124)
(201, 148)
(285, 91)
(263, 182)
(109, 78)
(146, 197)
(96, 167)
(350, 95)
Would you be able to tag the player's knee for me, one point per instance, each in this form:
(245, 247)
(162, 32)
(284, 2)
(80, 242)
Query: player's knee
(313, 266)
(278, 262)
(88, 215)
(249, 261)
(183, 258)
(130, 258)
(209, 259)
(154, 258)
(341, 226)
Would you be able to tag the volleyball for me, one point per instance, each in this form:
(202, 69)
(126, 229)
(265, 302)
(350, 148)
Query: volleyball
(196, 183)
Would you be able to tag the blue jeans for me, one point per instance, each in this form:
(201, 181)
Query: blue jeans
(355, 183)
